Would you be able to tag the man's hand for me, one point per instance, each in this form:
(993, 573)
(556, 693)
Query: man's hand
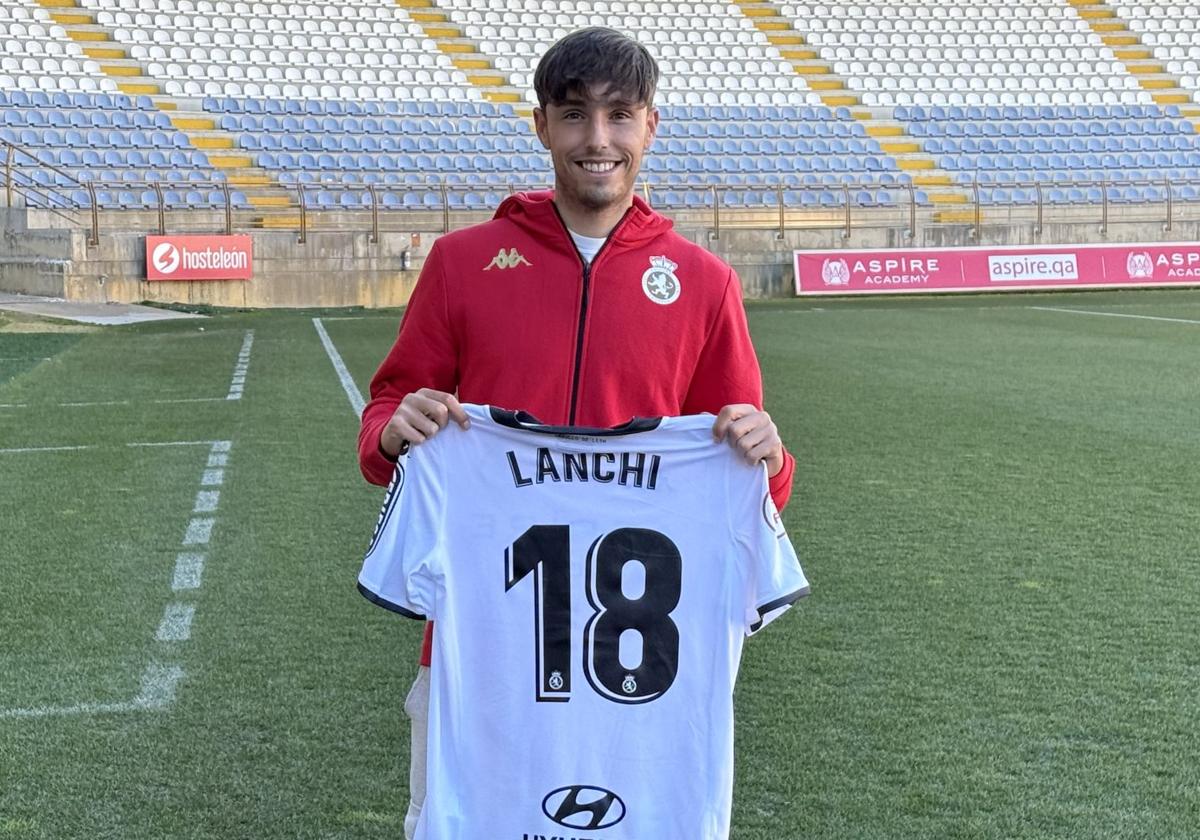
(752, 433)
(420, 416)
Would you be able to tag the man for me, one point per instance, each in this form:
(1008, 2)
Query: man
(581, 306)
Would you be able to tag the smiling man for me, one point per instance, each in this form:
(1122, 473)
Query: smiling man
(581, 306)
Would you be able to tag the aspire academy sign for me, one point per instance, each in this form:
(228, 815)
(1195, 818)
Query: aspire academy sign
(997, 268)
(199, 257)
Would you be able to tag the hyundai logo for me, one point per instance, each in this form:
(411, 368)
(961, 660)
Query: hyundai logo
(583, 806)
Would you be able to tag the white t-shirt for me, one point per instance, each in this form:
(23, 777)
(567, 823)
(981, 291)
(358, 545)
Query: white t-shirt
(592, 590)
(588, 246)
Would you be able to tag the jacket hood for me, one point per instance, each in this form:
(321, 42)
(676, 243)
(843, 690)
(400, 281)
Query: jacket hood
(536, 213)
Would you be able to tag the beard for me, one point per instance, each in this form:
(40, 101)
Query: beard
(598, 197)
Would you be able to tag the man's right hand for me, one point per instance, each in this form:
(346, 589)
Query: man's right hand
(420, 416)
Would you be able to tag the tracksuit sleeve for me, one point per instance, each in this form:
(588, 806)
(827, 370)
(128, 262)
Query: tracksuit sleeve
(727, 372)
(424, 356)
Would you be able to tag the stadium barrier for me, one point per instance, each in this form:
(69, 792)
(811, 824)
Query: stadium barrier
(78, 242)
(997, 268)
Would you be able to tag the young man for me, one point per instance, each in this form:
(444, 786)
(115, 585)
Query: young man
(580, 306)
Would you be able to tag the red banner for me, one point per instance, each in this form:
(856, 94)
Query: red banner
(1002, 268)
(199, 257)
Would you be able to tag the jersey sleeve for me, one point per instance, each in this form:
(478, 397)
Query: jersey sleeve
(727, 372)
(774, 579)
(403, 563)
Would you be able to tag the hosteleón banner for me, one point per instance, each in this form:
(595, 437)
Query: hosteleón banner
(199, 257)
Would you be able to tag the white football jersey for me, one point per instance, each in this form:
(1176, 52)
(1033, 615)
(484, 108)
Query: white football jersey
(591, 589)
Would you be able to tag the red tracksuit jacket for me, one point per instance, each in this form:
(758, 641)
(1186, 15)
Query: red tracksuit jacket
(506, 313)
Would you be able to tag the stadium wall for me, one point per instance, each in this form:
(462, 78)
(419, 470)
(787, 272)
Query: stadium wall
(336, 269)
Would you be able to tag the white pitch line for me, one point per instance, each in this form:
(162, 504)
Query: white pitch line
(219, 459)
(191, 400)
(212, 478)
(188, 569)
(238, 384)
(116, 402)
(1114, 314)
(199, 531)
(206, 501)
(157, 692)
(17, 450)
(176, 625)
(355, 396)
(44, 449)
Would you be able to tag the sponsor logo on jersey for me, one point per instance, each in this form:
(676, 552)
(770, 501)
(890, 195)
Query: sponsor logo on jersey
(507, 259)
(583, 806)
(659, 282)
(1139, 265)
(835, 273)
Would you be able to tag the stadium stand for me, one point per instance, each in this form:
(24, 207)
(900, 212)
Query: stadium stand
(1172, 31)
(917, 53)
(419, 103)
(360, 50)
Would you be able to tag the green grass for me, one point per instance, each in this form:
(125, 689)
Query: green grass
(995, 505)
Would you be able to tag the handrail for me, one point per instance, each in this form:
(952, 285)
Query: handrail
(846, 195)
(1104, 208)
(975, 230)
(11, 184)
(303, 214)
(374, 238)
(716, 211)
(1168, 226)
(16, 161)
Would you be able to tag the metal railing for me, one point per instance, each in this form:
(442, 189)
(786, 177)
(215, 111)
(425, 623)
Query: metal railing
(858, 205)
(17, 160)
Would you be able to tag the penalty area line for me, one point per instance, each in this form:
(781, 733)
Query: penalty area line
(35, 449)
(157, 692)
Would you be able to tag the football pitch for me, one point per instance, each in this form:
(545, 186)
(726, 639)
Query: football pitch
(996, 503)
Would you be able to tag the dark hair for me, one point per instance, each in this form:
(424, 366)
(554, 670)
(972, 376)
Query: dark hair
(597, 55)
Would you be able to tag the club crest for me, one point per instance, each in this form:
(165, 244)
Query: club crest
(835, 273)
(659, 282)
(1140, 266)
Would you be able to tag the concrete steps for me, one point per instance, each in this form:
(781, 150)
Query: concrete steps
(806, 61)
(1129, 48)
(464, 54)
(834, 91)
(201, 129)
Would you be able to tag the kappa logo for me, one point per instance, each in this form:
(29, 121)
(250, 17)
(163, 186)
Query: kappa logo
(583, 806)
(659, 282)
(507, 259)
(165, 258)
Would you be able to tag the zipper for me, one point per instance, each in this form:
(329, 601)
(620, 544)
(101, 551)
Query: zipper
(583, 303)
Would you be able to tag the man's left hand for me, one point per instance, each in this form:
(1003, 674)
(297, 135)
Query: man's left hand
(752, 433)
